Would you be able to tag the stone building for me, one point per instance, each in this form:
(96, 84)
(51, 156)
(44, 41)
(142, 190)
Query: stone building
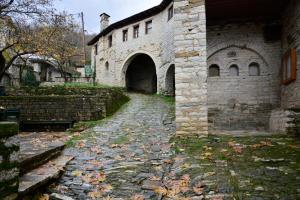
(233, 62)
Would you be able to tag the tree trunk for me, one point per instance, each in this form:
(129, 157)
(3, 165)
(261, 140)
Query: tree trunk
(2, 66)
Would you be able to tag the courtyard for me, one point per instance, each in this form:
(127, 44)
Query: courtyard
(134, 155)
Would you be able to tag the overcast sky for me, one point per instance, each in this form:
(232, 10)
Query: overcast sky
(117, 9)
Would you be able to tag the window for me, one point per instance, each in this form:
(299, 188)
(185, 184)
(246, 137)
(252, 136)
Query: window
(289, 67)
(214, 71)
(254, 69)
(96, 49)
(170, 12)
(125, 35)
(107, 66)
(50, 76)
(136, 31)
(148, 27)
(110, 41)
(234, 70)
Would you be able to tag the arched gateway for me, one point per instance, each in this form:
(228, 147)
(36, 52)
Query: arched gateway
(140, 74)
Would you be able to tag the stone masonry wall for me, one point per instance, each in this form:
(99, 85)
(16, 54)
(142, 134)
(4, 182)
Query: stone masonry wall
(285, 121)
(242, 101)
(56, 108)
(190, 67)
(290, 95)
(158, 45)
(9, 170)
(63, 104)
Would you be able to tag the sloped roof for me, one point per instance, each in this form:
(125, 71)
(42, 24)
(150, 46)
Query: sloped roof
(133, 19)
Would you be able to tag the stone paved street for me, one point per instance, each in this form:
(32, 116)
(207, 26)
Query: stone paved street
(124, 157)
(133, 156)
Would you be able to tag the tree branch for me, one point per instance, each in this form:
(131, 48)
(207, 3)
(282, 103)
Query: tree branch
(12, 60)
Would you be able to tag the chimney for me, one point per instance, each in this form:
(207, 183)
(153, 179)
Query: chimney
(104, 21)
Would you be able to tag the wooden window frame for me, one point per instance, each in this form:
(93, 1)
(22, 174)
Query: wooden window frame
(110, 41)
(170, 13)
(136, 27)
(96, 49)
(147, 29)
(292, 55)
(125, 35)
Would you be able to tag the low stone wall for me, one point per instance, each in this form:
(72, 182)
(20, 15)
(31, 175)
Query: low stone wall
(63, 104)
(9, 169)
(285, 121)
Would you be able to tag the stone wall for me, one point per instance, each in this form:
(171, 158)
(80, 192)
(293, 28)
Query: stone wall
(190, 67)
(238, 100)
(290, 95)
(112, 62)
(9, 170)
(64, 104)
(285, 121)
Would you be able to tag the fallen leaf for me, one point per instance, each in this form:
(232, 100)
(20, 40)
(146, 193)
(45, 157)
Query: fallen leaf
(168, 161)
(106, 188)
(77, 173)
(238, 149)
(95, 194)
(162, 191)
(44, 197)
(114, 146)
(138, 197)
(154, 178)
(80, 145)
(96, 150)
(199, 188)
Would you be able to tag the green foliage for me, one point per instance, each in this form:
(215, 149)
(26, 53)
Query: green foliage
(167, 99)
(30, 80)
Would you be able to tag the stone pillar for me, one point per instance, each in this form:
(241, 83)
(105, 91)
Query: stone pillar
(9, 168)
(190, 67)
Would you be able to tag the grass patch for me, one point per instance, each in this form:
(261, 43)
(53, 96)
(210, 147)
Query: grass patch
(242, 164)
(87, 85)
(167, 99)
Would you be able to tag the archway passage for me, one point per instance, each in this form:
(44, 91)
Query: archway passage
(170, 81)
(141, 75)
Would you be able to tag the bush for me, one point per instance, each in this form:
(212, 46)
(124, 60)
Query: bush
(30, 80)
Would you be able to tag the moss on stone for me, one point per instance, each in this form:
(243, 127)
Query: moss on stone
(8, 129)
(116, 103)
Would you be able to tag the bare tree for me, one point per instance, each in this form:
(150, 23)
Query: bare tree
(32, 27)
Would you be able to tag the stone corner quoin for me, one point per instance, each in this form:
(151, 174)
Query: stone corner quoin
(191, 67)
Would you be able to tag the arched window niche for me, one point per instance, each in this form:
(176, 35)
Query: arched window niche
(254, 69)
(234, 70)
(107, 66)
(214, 70)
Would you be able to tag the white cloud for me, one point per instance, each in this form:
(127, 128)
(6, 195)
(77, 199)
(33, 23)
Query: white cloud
(117, 9)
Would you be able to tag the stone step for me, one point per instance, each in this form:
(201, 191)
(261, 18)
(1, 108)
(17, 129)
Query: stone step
(38, 148)
(43, 175)
(32, 156)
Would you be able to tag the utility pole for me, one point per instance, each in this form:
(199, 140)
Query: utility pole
(83, 38)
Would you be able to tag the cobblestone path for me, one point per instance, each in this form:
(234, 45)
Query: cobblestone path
(125, 156)
(130, 157)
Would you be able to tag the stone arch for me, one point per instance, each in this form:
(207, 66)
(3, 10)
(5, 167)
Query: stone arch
(139, 73)
(128, 60)
(170, 81)
(223, 47)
